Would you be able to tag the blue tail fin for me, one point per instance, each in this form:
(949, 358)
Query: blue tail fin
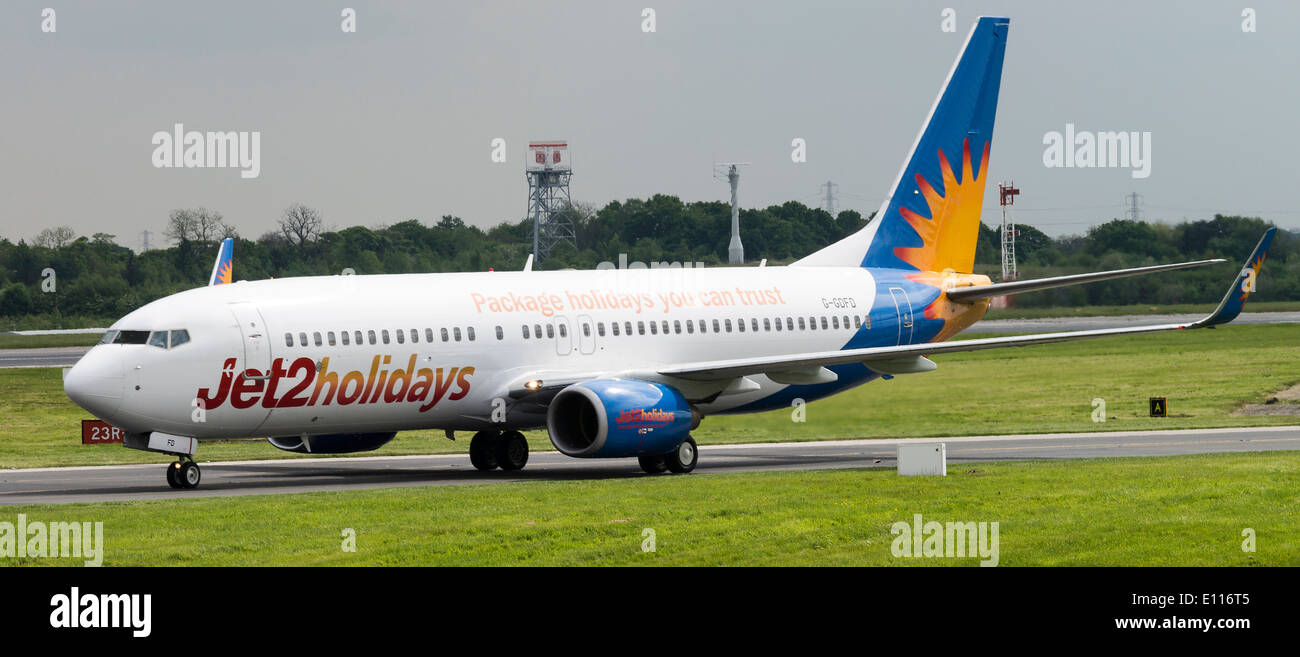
(223, 270)
(930, 221)
(1242, 285)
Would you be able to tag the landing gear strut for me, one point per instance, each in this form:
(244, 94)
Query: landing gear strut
(489, 450)
(680, 460)
(184, 473)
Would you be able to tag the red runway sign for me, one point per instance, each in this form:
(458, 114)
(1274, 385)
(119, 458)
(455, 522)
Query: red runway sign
(98, 432)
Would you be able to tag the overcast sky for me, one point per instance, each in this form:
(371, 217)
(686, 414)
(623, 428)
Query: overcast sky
(396, 120)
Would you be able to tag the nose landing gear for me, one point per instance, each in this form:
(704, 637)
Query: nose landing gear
(184, 473)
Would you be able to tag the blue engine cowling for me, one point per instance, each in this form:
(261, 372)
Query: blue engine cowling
(332, 443)
(612, 418)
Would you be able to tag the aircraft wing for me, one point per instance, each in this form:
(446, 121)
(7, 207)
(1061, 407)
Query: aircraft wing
(1033, 285)
(807, 363)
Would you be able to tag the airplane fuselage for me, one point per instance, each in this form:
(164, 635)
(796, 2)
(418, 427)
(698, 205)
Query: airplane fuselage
(381, 353)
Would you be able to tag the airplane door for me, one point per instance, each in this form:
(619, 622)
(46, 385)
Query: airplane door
(563, 336)
(586, 334)
(256, 363)
(257, 345)
(903, 306)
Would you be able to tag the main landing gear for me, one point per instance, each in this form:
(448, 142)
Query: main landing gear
(490, 450)
(184, 473)
(680, 460)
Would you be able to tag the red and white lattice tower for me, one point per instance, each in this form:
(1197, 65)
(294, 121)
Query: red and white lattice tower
(549, 204)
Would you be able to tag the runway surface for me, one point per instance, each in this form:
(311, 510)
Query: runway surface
(44, 357)
(140, 482)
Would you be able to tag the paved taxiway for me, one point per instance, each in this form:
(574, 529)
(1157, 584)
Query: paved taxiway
(136, 482)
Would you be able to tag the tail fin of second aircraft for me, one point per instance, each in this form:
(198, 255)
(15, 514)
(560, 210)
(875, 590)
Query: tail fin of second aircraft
(223, 269)
(930, 221)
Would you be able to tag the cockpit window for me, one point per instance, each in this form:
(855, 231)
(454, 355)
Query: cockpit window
(109, 337)
(180, 337)
(131, 337)
(158, 339)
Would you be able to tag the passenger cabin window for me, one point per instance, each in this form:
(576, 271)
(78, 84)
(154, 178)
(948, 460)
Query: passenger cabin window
(302, 339)
(613, 327)
(359, 340)
(316, 338)
(825, 325)
(288, 339)
(415, 336)
(456, 332)
(627, 328)
(371, 334)
(550, 331)
(640, 328)
(600, 329)
(401, 336)
(158, 339)
(345, 336)
(428, 335)
(384, 334)
(654, 328)
(469, 333)
(564, 330)
(525, 331)
(329, 337)
(500, 334)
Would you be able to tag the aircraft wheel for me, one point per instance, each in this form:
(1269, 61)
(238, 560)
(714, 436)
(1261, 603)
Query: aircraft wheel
(512, 451)
(189, 475)
(482, 450)
(173, 469)
(653, 464)
(684, 458)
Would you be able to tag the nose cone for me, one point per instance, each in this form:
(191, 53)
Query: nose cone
(95, 382)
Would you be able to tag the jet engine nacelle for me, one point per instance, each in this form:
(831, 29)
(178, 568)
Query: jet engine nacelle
(612, 418)
(332, 443)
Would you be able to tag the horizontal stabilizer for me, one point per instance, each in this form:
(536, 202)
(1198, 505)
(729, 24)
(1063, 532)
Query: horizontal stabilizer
(1017, 287)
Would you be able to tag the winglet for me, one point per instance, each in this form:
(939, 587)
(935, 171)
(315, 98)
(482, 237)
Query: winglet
(223, 268)
(1241, 286)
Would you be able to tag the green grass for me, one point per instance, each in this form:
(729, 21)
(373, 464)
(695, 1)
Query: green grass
(1205, 374)
(1138, 309)
(1181, 510)
(38, 341)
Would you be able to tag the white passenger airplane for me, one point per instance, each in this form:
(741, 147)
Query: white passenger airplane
(615, 363)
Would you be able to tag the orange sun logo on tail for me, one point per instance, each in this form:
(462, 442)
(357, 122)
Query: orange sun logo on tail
(223, 273)
(949, 235)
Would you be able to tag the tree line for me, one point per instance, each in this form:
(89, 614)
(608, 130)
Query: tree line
(61, 280)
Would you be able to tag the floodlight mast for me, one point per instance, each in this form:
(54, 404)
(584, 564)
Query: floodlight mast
(735, 250)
